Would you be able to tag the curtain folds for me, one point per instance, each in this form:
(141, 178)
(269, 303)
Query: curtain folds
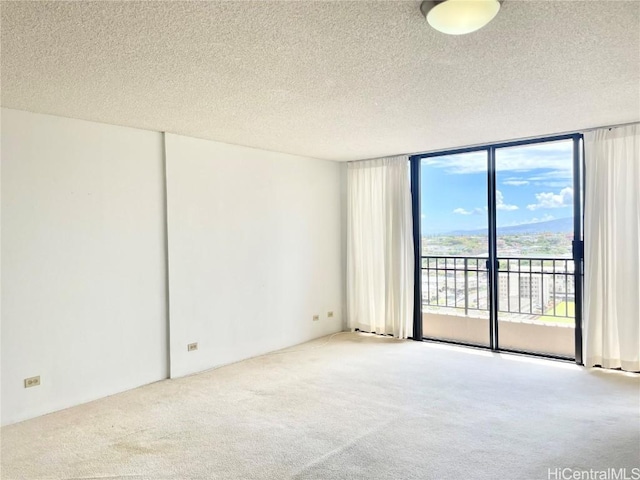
(612, 248)
(380, 247)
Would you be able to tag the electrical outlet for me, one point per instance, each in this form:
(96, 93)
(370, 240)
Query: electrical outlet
(32, 382)
(316, 318)
(192, 346)
(329, 314)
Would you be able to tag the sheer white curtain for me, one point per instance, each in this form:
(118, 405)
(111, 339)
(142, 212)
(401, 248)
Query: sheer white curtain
(612, 248)
(380, 247)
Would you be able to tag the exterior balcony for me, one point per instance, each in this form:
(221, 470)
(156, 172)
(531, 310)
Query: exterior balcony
(536, 302)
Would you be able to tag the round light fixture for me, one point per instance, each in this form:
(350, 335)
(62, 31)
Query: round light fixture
(457, 17)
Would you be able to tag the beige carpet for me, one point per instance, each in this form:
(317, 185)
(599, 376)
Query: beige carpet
(349, 407)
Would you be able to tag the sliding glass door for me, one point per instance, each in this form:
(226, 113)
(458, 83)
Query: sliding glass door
(455, 248)
(500, 231)
(534, 239)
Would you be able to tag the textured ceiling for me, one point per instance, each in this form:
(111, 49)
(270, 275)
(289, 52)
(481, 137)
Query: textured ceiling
(337, 80)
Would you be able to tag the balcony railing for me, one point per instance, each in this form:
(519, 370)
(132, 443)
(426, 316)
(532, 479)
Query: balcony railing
(537, 287)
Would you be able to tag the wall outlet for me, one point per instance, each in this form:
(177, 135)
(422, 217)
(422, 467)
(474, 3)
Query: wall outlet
(32, 382)
(329, 314)
(316, 318)
(192, 346)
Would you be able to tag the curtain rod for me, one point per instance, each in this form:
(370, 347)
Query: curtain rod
(584, 130)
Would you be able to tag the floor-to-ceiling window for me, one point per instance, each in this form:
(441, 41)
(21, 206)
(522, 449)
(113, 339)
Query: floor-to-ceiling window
(455, 247)
(500, 229)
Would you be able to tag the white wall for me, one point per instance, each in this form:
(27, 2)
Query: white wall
(254, 251)
(83, 261)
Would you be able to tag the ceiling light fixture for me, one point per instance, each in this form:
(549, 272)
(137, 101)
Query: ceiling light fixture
(457, 17)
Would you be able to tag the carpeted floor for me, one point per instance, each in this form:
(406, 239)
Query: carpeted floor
(352, 406)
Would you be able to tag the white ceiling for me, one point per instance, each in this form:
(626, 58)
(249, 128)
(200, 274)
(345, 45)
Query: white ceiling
(337, 80)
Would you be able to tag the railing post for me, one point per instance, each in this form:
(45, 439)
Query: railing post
(466, 288)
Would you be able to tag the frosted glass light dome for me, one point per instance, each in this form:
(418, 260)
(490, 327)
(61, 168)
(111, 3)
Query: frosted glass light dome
(457, 17)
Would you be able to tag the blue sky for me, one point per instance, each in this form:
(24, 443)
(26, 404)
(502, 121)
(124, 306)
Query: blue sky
(534, 184)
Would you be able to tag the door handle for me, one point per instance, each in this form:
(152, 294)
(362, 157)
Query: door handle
(577, 246)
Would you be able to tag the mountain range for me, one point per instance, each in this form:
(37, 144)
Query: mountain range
(559, 225)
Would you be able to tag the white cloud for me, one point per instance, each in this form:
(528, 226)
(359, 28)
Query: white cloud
(545, 218)
(462, 211)
(553, 178)
(475, 211)
(472, 162)
(551, 175)
(553, 200)
(515, 182)
(500, 205)
(557, 157)
(552, 184)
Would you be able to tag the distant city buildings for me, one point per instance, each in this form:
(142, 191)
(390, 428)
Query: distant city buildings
(529, 287)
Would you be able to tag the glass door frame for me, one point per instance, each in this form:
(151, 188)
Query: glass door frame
(492, 263)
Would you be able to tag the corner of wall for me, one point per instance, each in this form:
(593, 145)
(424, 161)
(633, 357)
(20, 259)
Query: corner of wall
(343, 241)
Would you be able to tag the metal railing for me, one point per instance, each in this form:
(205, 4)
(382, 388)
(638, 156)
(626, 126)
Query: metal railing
(466, 275)
(528, 286)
